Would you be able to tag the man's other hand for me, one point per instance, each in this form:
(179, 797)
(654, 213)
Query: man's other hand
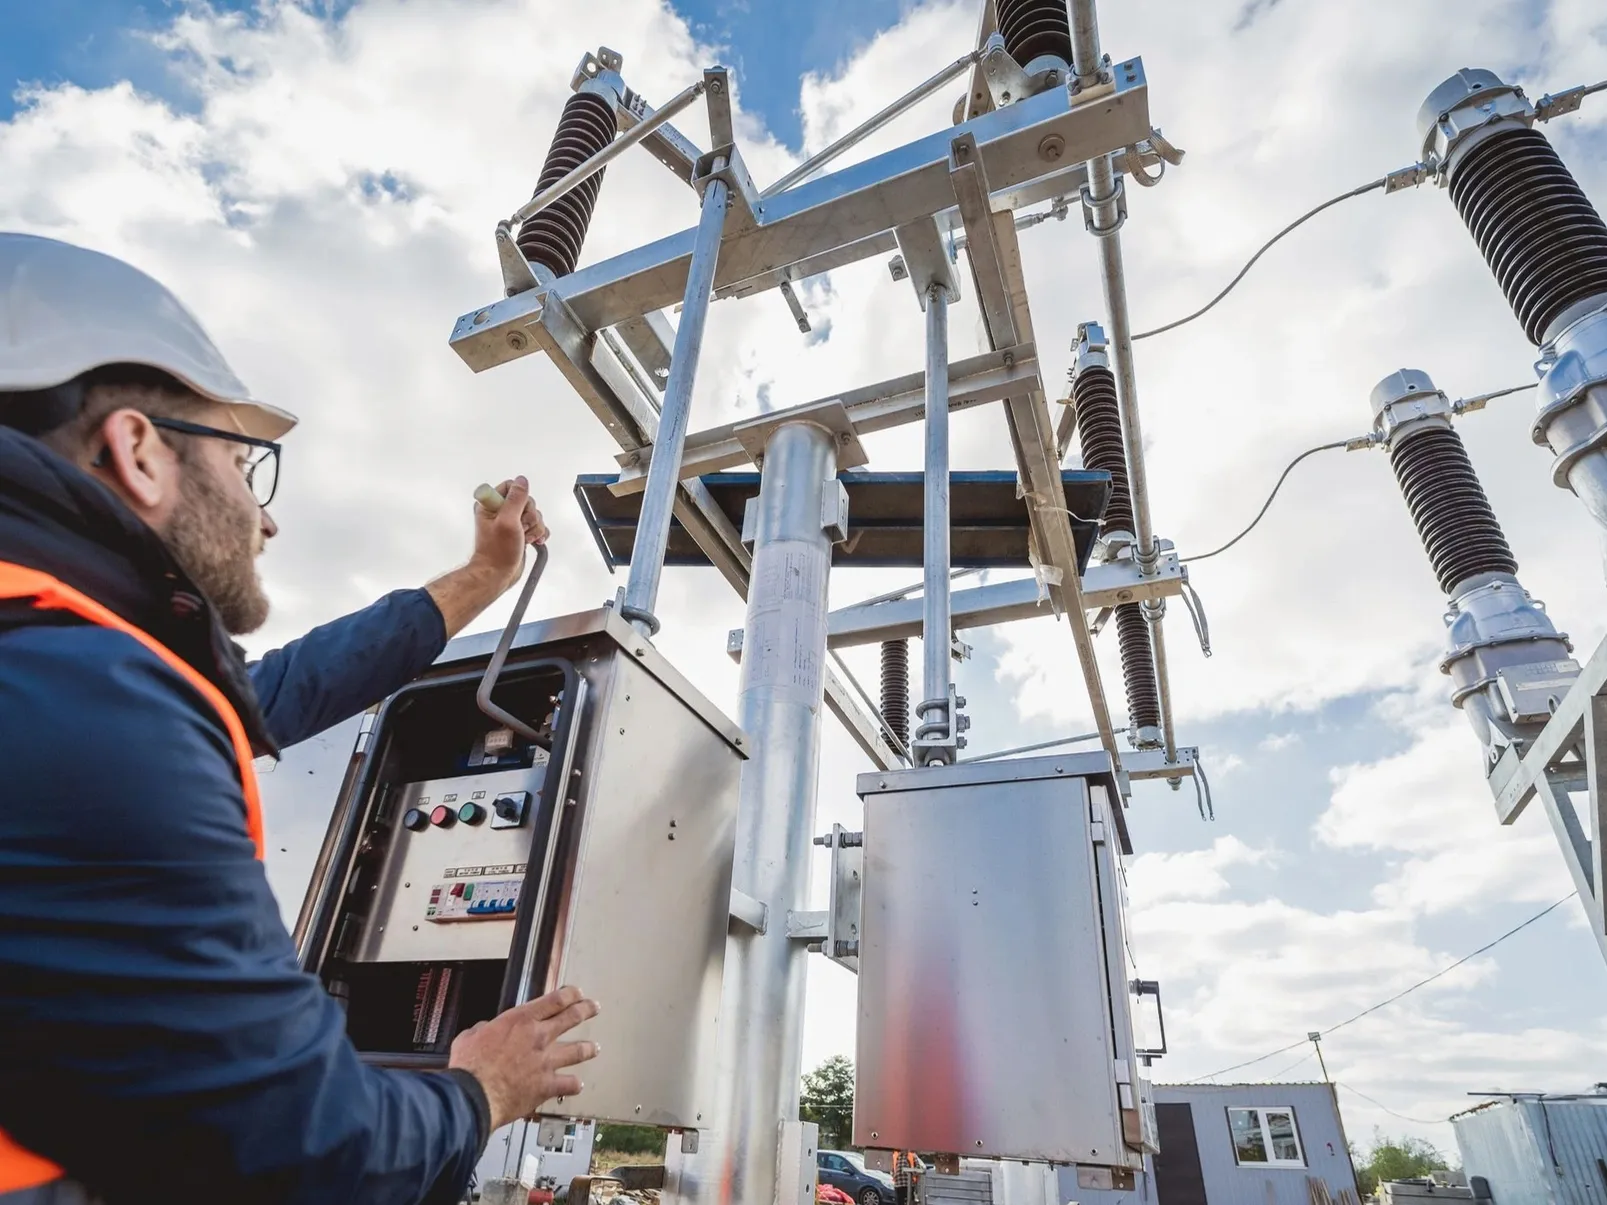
(500, 537)
(518, 1058)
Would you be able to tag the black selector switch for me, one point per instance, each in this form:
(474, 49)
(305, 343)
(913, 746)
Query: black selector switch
(509, 810)
(416, 820)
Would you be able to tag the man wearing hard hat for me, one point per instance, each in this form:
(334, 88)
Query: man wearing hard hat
(157, 1039)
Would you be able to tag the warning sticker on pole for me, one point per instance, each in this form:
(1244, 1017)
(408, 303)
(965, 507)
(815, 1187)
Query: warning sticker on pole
(784, 650)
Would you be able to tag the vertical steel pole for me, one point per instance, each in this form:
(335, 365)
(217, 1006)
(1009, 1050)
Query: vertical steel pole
(664, 472)
(936, 624)
(1104, 202)
(779, 707)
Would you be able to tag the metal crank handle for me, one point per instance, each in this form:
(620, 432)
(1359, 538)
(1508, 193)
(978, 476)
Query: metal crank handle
(492, 501)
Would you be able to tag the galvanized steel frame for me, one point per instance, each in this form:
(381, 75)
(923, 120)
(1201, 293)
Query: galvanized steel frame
(1569, 756)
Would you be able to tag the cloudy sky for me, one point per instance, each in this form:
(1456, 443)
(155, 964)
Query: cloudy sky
(320, 180)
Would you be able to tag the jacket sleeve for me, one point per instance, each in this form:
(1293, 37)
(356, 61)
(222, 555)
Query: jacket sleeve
(348, 664)
(157, 1038)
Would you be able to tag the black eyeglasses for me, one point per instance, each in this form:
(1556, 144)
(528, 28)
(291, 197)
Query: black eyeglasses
(261, 470)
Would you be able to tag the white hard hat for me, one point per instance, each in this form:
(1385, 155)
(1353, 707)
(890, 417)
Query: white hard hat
(65, 310)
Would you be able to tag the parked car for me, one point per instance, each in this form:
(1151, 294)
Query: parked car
(846, 1170)
(825, 1194)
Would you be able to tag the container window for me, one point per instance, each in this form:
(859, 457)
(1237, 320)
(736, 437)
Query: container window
(1265, 1137)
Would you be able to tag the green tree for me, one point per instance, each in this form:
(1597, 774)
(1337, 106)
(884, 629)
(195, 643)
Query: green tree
(1403, 1158)
(828, 1101)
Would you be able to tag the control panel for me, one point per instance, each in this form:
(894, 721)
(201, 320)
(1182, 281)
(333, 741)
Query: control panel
(460, 854)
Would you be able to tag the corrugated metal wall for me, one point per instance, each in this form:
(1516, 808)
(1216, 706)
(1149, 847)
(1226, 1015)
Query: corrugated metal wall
(1538, 1151)
(1322, 1139)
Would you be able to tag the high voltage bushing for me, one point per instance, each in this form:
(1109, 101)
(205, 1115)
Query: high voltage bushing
(1547, 246)
(553, 237)
(1099, 435)
(1507, 663)
(1034, 28)
(896, 688)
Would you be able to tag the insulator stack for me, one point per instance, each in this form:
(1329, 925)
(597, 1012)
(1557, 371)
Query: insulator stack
(1099, 435)
(896, 688)
(553, 237)
(1138, 674)
(1537, 230)
(1459, 530)
(1032, 28)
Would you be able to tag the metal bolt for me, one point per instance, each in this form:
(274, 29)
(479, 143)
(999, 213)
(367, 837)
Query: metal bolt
(480, 318)
(979, 1142)
(1009, 359)
(875, 1134)
(415, 928)
(1052, 147)
(622, 732)
(638, 1108)
(517, 340)
(716, 86)
(407, 884)
(1124, 595)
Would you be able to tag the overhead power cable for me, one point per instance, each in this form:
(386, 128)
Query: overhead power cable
(1260, 514)
(1265, 247)
(1423, 1121)
(1485, 948)
(1461, 406)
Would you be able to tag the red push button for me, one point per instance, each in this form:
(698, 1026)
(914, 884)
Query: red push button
(443, 817)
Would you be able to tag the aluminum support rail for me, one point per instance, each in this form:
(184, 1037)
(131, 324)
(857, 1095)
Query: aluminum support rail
(866, 128)
(1025, 148)
(995, 257)
(880, 407)
(1107, 585)
(653, 528)
(937, 715)
(582, 172)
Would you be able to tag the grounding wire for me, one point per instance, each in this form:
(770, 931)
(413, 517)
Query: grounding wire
(1485, 948)
(1265, 247)
(1260, 514)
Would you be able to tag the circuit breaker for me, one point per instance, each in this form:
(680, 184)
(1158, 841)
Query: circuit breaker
(468, 868)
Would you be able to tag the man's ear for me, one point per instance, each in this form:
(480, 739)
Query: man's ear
(137, 462)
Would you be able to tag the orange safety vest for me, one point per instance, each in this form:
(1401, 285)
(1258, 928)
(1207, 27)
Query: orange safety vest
(19, 1168)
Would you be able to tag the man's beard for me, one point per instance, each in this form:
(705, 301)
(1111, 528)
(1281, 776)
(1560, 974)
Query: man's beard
(214, 538)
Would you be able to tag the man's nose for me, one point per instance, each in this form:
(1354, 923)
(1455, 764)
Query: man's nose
(269, 527)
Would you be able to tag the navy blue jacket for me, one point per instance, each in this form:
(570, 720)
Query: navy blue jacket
(157, 1038)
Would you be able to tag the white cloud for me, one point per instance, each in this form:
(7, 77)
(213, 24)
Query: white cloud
(1154, 878)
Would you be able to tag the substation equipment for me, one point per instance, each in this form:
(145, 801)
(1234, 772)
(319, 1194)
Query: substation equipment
(1540, 717)
(563, 806)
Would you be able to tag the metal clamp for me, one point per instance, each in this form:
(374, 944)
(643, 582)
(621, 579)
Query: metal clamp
(1090, 203)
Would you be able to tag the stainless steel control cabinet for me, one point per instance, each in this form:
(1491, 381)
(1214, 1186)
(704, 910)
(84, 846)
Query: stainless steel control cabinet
(994, 1009)
(613, 873)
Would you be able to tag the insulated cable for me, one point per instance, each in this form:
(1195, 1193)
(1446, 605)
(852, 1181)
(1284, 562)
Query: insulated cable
(1260, 514)
(1459, 407)
(1485, 948)
(1265, 247)
(1422, 1121)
